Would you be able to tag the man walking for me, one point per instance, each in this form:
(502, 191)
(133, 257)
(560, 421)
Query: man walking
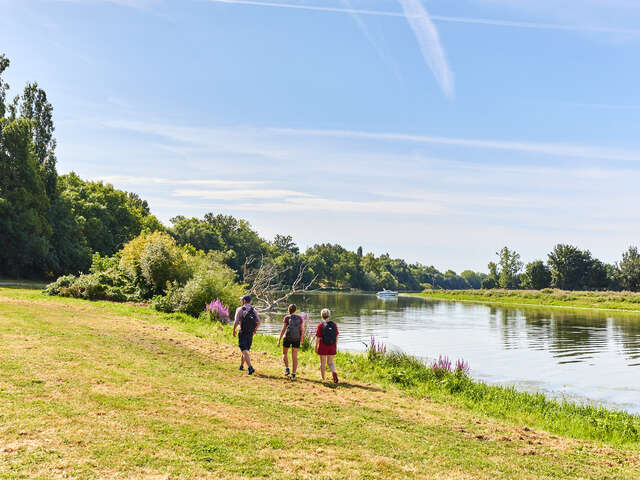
(247, 318)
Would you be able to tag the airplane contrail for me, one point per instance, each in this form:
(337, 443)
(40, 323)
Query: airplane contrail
(429, 41)
(441, 18)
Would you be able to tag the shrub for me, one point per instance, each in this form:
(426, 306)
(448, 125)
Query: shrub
(215, 282)
(162, 261)
(103, 264)
(151, 265)
(61, 283)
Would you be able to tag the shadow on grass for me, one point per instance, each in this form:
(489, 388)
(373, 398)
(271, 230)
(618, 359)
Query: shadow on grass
(22, 286)
(324, 383)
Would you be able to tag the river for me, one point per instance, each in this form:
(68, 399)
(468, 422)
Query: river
(581, 355)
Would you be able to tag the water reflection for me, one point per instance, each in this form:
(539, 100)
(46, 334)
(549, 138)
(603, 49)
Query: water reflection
(576, 353)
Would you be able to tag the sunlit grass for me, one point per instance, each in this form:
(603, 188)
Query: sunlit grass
(103, 390)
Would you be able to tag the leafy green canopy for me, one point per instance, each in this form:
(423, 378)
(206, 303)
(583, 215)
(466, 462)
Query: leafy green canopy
(50, 225)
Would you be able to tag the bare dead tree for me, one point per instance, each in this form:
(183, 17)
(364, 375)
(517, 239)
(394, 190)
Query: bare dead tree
(265, 285)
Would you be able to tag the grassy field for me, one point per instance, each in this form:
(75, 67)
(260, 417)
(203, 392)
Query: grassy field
(626, 301)
(101, 390)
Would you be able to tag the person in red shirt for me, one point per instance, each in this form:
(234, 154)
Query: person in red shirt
(327, 343)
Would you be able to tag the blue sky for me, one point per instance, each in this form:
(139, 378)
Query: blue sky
(437, 131)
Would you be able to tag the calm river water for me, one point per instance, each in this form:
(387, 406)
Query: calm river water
(579, 354)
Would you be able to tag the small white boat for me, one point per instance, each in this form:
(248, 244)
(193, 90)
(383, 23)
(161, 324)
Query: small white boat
(387, 294)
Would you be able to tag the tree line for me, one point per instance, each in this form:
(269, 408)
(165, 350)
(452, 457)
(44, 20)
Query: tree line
(52, 225)
(567, 268)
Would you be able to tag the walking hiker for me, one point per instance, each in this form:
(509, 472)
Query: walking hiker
(247, 318)
(292, 329)
(327, 343)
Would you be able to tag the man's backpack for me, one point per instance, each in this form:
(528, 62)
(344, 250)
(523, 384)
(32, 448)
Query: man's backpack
(249, 320)
(329, 333)
(292, 333)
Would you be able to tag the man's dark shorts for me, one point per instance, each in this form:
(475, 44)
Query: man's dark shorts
(286, 344)
(245, 340)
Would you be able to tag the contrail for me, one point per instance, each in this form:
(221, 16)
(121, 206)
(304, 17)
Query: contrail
(441, 18)
(372, 41)
(429, 41)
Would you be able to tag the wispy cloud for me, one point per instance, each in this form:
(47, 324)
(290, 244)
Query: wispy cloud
(239, 194)
(557, 149)
(446, 18)
(139, 180)
(140, 4)
(429, 41)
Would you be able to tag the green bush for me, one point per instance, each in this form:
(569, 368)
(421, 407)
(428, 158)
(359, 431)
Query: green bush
(61, 283)
(179, 279)
(161, 262)
(218, 281)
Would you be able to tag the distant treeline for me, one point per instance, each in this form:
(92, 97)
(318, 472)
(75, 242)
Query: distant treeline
(567, 268)
(51, 225)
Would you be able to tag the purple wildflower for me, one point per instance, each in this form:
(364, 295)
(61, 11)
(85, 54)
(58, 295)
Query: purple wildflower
(376, 348)
(217, 311)
(462, 367)
(441, 366)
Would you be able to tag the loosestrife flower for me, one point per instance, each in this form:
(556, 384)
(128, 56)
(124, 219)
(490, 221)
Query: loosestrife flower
(217, 311)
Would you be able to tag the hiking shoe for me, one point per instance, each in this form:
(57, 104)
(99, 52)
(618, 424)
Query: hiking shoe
(293, 375)
(241, 367)
(251, 370)
(286, 371)
(335, 377)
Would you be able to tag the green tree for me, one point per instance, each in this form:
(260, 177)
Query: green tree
(536, 276)
(4, 64)
(240, 240)
(510, 266)
(34, 106)
(570, 267)
(108, 217)
(491, 280)
(629, 268)
(24, 229)
(285, 243)
(474, 279)
(199, 233)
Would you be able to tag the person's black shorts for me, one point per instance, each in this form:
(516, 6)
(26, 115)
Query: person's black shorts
(245, 340)
(287, 344)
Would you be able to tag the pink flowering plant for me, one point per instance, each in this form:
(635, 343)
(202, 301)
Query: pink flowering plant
(308, 333)
(462, 368)
(217, 311)
(376, 349)
(441, 366)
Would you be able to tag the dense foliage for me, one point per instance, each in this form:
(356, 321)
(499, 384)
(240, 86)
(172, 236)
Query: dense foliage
(153, 267)
(51, 225)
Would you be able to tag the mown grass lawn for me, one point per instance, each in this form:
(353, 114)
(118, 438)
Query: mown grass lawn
(99, 390)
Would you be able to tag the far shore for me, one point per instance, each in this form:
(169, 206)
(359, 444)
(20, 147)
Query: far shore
(588, 300)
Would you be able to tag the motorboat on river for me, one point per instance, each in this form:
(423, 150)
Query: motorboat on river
(385, 294)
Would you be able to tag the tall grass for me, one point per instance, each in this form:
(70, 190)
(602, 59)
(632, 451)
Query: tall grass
(439, 379)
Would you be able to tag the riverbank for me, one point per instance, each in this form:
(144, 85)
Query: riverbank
(103, 390)
(621, 301)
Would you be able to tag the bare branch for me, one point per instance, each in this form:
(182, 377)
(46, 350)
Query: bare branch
(265, 285)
